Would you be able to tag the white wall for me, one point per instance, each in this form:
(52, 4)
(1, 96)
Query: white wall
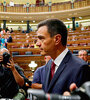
(34, 26)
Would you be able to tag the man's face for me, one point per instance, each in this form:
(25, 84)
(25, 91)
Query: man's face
(83, 55)
(1, 54)
(45, 42)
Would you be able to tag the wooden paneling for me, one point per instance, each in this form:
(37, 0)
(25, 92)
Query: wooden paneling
(23, 50)
(1, 8)
(24, 60)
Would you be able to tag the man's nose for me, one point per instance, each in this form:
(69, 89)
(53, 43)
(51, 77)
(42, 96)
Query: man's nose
(38, 43)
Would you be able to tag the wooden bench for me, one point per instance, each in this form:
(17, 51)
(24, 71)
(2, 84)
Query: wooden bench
(79, 34)
(78, 42)
(22, 51)
(24, 60)
(23, 40)
(79, 48)
(16, 45)
(73, 37)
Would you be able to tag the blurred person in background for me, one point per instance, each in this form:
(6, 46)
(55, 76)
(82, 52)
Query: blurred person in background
(39, 75)
(11, 31)
(11, 77)
(83, 54)
(3, 42)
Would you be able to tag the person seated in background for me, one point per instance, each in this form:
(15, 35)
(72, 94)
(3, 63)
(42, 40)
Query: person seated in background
(11, 31)
(83, 54)
(22, 46)
(11, 77)
(7, 29)
(19, 28)
(29, 46)
(9, 39)
(2, 31)
(39, 75)
(33, 45)
(3, 42)
(23, 31)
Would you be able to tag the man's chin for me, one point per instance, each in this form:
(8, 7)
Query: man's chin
(43, 53)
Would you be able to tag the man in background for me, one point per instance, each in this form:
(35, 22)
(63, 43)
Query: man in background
(39, 75)
(83, 54)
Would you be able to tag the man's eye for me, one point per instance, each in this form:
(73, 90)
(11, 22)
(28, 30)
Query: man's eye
(41, 38)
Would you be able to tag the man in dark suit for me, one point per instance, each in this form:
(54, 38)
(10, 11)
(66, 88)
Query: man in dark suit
(52, 40)
(83, 54)
(9, 40)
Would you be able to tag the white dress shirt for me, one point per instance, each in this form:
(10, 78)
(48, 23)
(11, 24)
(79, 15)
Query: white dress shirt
(59, 59)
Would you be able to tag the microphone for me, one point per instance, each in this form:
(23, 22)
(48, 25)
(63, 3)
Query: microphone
(82, 93)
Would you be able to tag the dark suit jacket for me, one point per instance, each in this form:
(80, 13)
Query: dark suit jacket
(9, 39)
(72, 69)
(39, 75)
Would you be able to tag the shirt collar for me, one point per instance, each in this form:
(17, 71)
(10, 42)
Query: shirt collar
(59, 59)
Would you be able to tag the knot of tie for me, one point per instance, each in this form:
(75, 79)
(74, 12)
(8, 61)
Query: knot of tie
(52, 70)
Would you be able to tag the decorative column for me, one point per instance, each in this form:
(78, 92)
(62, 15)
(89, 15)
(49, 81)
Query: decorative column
(73, 18)
(4, 24)
(49, 5)
(4, 6)
(73, 23)
(27, 7)
(28, 30)
(72, 4)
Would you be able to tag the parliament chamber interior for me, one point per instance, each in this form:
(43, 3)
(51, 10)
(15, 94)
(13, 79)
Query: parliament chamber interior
(19, 20)
(23, 20)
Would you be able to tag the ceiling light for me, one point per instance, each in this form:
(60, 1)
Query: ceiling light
(68, 18)
(32, 65)
(33, 21)
(80, 17)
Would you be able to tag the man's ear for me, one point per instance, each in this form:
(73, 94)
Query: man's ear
(57, 39)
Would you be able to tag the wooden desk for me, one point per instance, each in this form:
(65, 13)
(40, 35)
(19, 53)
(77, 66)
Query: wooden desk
(23, 50)
(24, 60)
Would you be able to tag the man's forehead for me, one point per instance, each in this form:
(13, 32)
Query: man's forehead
(42, 33)
(42, 29)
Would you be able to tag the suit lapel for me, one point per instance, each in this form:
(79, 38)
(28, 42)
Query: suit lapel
(47, 75)
(59, 71)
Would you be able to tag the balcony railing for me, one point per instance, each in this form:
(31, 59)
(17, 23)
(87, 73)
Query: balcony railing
(18, 8)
